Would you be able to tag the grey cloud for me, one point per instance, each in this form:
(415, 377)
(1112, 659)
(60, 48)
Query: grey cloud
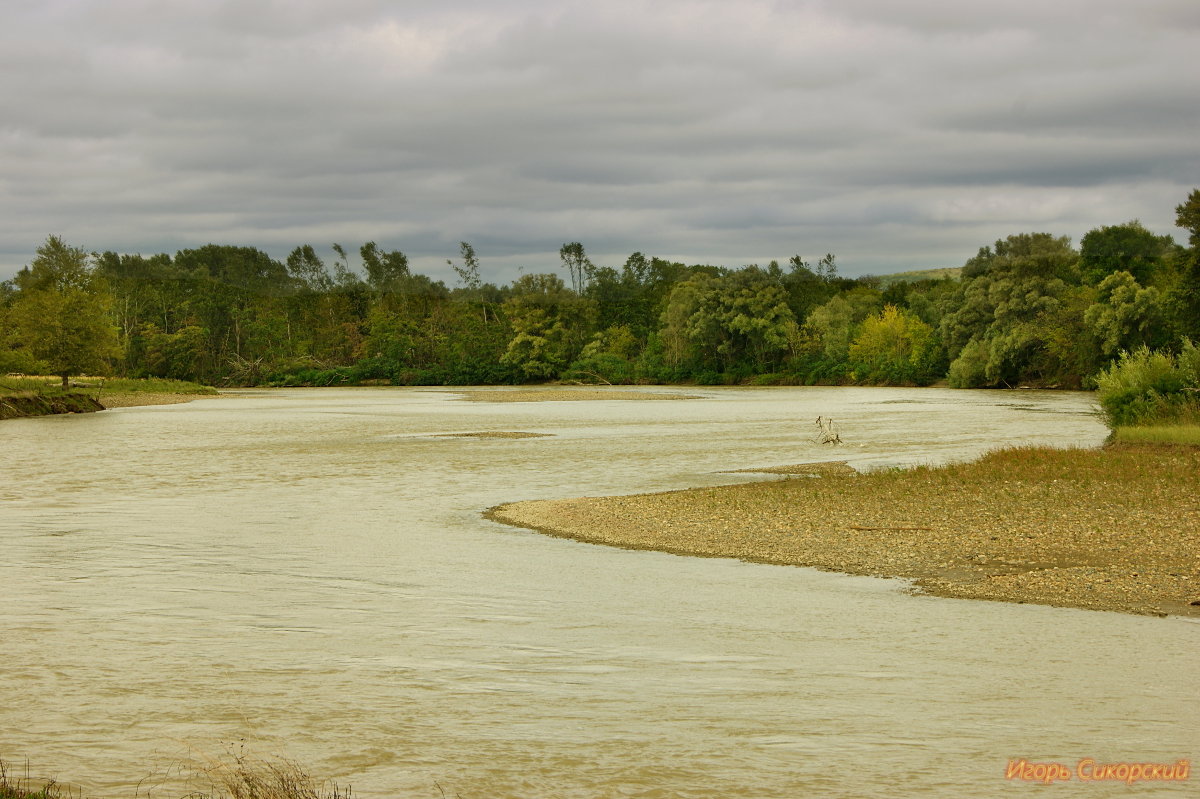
(893, 134)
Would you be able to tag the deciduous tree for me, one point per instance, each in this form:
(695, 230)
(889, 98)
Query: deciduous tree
(61, 313)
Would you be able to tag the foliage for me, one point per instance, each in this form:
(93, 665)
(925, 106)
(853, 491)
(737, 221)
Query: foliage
(1007, 310)
(716, 323)
(578, 265)
(894, 347)
(1027, 310)
(1151, 387)
(607, 358)
(836, 322)
(547, 321)
(1126, 316)
(1185, 296)
(1123, 248)
(61, 313)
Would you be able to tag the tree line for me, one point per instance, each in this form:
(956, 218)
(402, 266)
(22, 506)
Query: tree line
(1031, 309)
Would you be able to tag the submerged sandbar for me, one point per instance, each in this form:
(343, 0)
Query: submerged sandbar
(566, 394)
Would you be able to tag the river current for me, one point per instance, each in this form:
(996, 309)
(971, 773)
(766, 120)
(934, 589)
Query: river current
(307, 573)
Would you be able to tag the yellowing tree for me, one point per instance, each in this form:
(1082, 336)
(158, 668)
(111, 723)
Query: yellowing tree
(893, 346)
(61, 311)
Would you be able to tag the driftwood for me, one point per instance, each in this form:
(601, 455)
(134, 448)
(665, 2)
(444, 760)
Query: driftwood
(828, 432)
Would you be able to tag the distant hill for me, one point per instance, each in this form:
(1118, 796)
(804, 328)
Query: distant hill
(953, 272)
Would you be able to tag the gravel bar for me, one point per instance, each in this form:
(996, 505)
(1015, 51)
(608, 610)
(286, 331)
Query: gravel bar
(1114, 529)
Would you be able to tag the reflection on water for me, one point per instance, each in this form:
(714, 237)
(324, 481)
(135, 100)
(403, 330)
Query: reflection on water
(308, 571)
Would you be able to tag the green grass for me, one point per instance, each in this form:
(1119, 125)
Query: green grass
(49, 386)
(1184, 434)
(156, 385)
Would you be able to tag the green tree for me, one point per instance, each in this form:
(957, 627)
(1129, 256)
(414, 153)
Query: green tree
(468, 273)
(1185, 296)
(1008, 303)
(1123, 248)
(550, 325)
(608, 357)
(836, 322)
(1187, 216)
(61, 313)
(147, 293)
(1126, 316)
(385, 269)
(895, 347)
(577, 264)
(736, 321)
(237, 295)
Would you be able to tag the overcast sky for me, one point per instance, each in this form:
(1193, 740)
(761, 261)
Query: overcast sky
(898, 135)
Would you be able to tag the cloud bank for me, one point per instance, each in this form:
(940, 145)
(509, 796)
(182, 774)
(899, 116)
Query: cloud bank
(897, 135)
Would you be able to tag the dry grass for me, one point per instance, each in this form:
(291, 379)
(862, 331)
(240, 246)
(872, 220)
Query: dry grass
(229, 777)
(239, 777)
(1108, 529)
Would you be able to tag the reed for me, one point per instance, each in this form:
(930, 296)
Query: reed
(13, 787)
(233, 777)
(241, 777)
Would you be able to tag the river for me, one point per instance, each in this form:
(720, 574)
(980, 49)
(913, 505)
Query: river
(307, 573)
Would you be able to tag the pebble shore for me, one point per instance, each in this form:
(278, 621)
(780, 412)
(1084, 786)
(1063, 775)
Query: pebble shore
(136, 399)
(1114, 529)
(568, 394)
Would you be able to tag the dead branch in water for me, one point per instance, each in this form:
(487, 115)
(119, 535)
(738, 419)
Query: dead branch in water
(828, 432)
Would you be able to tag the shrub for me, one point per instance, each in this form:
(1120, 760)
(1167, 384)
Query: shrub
(969, 369)
(1147, 387)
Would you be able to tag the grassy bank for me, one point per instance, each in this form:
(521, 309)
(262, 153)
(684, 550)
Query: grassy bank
(21, 404)
(1179, 434)
(1107, 529)
(22, 396)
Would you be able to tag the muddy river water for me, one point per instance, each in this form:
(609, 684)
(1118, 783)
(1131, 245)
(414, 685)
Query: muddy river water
(307, 573)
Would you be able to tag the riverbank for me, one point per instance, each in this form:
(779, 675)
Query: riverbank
(24, 404)
(22, 397)
(566, 394)
(1115, 529)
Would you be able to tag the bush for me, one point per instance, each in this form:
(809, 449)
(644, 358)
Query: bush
(1146, 387)
(602, 367)
(969, 369)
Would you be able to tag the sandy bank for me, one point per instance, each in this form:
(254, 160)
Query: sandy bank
(494, 434)
(133, 399)
(1113, 529)
(561, 394)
